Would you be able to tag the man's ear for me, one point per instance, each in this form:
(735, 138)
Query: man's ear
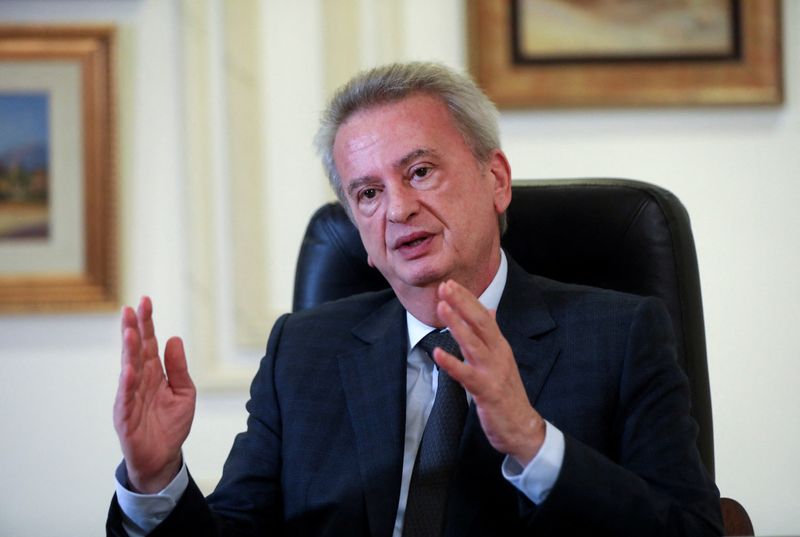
(500, 170)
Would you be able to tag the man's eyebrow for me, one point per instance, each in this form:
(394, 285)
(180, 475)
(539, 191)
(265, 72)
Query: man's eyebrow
(355, 184)
(406, 159)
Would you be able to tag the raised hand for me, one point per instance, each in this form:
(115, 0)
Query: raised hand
(489, 372)
(153, 411)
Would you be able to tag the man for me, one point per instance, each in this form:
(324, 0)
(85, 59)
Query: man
(578, 418)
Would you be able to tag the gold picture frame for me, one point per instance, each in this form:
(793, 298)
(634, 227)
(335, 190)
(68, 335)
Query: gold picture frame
(749, 73)
(70, 264)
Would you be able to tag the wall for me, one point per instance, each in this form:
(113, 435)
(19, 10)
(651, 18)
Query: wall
(736, 169)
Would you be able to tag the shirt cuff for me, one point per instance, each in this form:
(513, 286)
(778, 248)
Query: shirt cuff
(537, 479)
(141, 513)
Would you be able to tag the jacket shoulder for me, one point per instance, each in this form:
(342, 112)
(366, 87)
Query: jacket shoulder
(331, 323)
(576, 298)
(354, 308)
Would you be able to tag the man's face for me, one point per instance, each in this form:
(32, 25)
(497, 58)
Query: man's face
(425, 208)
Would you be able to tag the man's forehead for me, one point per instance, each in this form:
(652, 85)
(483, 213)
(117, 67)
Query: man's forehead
(348, 141)
(416, 116)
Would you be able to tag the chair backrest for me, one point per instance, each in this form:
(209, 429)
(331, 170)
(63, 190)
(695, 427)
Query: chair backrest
(613, 233)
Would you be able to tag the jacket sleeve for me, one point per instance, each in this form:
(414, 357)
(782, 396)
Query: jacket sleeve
(654, 482)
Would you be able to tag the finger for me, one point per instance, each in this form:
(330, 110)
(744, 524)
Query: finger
(477, 335)
(125, 394)
(459, 371)
(471, 311)
(175, 365)
(131, 349)
(128, 319)
(147, 328)
(128, 322)
(145, 318)
(127, 380)
(472, 347)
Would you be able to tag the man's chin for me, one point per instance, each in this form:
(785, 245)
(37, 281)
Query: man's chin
(418, 273)
(419, 279)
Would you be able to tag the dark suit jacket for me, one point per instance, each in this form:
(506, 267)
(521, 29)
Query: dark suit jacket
(322, 454)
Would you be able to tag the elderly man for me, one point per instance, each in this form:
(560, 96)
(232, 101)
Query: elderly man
(470, 399)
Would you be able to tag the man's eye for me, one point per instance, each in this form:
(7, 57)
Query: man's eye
(369, 193)
(422, 171)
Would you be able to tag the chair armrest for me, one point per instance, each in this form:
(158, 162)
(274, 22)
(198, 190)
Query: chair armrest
(734, 518)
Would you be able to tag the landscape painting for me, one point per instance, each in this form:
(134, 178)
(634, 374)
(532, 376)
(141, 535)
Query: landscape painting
(611, 53)
(24, 166)
(608, 30)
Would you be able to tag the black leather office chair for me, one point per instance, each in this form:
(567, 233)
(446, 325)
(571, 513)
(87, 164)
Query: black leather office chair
(618, 234)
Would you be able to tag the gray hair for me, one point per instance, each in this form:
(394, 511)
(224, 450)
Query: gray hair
(474, 115)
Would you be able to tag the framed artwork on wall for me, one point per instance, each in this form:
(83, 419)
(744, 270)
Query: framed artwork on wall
(57, 231)
(564, 53)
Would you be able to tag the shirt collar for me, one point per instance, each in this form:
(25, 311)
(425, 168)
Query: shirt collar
(490, 299)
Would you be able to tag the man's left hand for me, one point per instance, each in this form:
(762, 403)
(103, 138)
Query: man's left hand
(489, 372)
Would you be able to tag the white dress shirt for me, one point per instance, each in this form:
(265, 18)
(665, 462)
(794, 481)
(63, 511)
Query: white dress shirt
(143, 512)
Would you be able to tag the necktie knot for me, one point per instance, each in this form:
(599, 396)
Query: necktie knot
(443, 339)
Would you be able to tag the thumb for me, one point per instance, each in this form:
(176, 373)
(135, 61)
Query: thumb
(175, 365)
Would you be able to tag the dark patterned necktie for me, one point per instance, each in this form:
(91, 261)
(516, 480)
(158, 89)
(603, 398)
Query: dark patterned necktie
(438, 450)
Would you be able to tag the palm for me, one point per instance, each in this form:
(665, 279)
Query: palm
(153, 411)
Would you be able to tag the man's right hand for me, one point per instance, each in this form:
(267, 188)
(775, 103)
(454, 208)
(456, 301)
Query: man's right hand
(153, 412)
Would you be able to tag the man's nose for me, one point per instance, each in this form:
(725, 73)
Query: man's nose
(403, 204)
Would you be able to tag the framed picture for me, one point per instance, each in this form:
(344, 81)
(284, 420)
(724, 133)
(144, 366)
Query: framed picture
(57, 230)
(560, 53)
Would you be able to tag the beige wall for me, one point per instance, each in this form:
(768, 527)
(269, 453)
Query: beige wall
(736, 169)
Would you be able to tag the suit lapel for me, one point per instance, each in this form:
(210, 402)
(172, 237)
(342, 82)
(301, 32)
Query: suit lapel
(374, 380)
(525, 321)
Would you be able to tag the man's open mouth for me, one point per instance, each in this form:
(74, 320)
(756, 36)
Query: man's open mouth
(415, 241)
(412, 240)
